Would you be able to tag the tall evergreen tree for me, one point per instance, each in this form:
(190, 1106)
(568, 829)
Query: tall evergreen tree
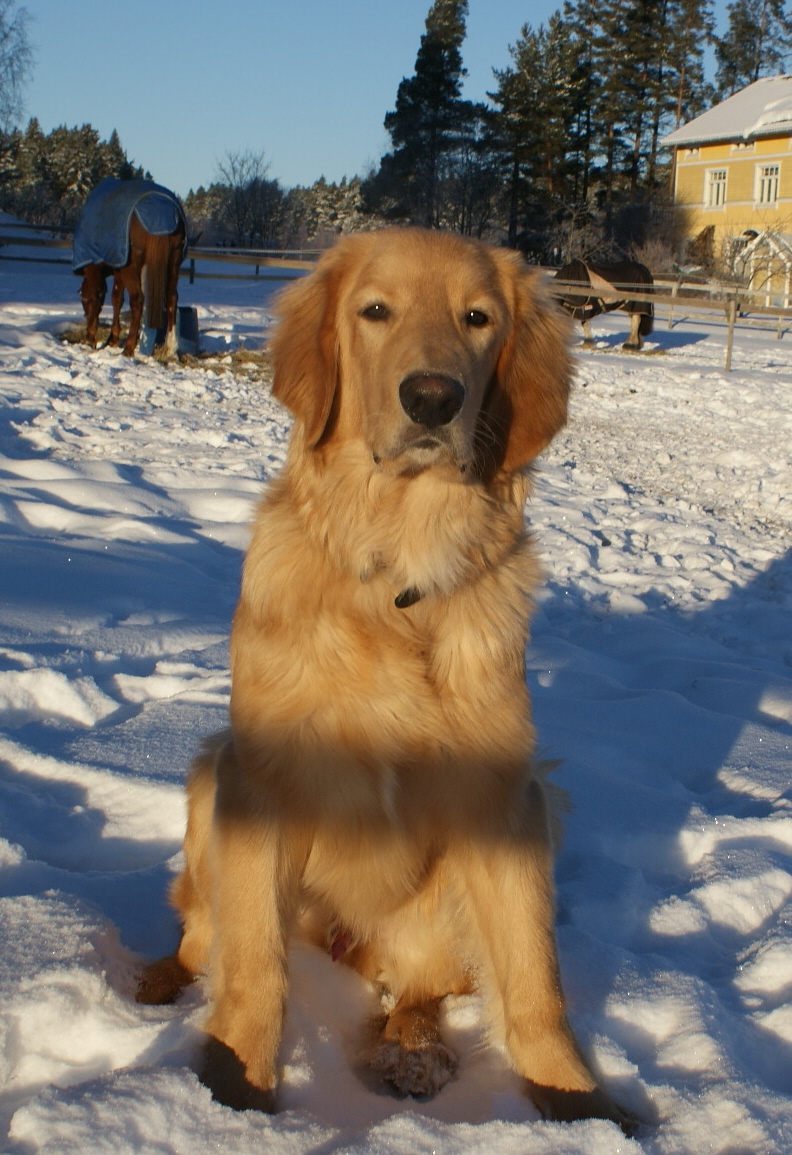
(580, 18)
(536, 99)
(692, 25)
(426, 125)
(641, 71)
(757, 42)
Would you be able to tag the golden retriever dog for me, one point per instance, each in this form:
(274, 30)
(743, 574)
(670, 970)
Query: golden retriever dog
(376, 790)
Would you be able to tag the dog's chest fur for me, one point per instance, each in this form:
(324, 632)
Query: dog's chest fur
(321, 650)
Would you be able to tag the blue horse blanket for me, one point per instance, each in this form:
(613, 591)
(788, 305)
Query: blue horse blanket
(102, 236)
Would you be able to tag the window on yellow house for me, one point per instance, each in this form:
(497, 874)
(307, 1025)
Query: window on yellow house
(715, 188)
(767, 176)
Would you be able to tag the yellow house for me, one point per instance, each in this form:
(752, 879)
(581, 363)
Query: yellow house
(733, 180)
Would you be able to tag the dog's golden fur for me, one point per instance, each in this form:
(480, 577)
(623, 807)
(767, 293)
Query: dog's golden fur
(375, 791)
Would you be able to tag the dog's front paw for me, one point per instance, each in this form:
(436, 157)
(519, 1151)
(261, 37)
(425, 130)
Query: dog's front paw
(421, 1071)
(223, 1072)
(568, 1106)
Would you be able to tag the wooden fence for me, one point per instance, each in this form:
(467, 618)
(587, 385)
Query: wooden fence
(733, 305)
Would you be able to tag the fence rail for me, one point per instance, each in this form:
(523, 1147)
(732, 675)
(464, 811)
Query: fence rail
(294, 259)
(736, 305)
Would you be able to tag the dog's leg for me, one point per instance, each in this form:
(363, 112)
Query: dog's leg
(163, 981)
(256, 867)
(509, 883)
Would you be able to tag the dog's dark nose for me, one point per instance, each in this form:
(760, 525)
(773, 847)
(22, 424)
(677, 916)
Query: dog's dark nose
(431, 399)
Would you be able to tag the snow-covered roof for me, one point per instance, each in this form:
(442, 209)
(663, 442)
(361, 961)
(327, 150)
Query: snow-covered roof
(764, 108)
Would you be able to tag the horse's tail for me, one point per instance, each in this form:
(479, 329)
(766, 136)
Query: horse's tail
(156, 267)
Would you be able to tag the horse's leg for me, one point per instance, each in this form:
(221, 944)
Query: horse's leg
(588, 336)
(134, 286)
(634, 340)
(118, 301)
(92, 295)
(174, 262)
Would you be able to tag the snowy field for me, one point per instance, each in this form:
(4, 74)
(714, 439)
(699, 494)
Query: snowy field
(661, 670)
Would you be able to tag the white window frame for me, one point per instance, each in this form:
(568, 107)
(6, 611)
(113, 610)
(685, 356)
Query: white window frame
(715, 180)
(767, 182)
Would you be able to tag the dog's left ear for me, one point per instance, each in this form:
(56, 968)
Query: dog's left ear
(527, 403)
(304, 348)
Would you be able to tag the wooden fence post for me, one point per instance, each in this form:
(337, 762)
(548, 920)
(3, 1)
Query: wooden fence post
(731, 312)
(674, 293)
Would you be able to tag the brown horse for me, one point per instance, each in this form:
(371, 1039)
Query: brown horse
(604, 288)
(137, 230)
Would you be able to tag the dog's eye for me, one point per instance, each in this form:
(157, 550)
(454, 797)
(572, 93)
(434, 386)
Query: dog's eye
(376, 312)
(476, 319)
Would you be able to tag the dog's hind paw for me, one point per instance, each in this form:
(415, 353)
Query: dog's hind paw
(420, 1071)
(162, 982)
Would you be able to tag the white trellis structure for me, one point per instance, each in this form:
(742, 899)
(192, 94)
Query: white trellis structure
(764, 262)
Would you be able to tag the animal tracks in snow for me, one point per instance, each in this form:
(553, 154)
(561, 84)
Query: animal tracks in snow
(660, 668)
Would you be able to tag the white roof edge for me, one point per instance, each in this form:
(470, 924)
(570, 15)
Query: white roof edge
(764, 108)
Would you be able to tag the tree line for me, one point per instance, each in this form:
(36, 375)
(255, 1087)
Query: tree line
(565, 157)
(567, 154)
(45, 178)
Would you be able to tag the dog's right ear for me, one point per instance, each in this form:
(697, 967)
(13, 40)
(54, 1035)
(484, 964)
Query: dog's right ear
(304, 348)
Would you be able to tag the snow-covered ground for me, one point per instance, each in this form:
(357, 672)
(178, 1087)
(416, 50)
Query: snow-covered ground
(661, 670)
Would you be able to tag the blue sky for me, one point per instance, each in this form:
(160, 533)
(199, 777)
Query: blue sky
(307, 82)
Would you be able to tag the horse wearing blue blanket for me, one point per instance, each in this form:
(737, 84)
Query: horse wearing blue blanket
(136, 230)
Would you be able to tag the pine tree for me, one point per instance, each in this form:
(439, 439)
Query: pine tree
(645, 80)
(427, 124)
(640, 66)
(581, 19)
(757, 42)
(536, 96)
(31, 157)
(692, 25)
(114, 161)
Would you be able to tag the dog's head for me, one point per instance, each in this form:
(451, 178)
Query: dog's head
(435, 350)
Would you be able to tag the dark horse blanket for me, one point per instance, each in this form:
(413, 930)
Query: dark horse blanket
(603, 289)
(102, 236)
